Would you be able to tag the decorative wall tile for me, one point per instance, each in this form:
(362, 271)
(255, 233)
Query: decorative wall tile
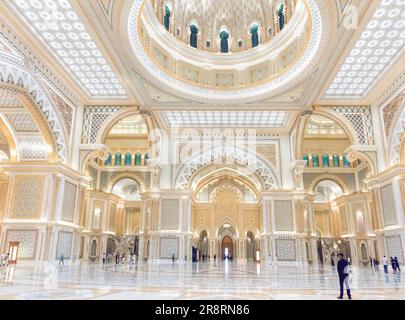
(3, 197)
(69, 202)
(285, 249)
(27, 197)
(32, 147)
(64, 244)
(390, 112)
(168, 246)
(65, 110)
(395, 248)
(170, 214)
(283, 215)
(360, 118)
(94, 119)
(9, 100)
(4, 145)
(388, 205)
(27, 242)
(22, 121)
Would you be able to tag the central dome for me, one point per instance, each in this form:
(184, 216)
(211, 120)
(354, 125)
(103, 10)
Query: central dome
(209, 50)
(223, 26)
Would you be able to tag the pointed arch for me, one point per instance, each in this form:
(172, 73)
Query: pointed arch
(112, 120)
(247, 159)
(314, 183)
(35, 140)
(16, 79)
(341, 121)
(126, 175)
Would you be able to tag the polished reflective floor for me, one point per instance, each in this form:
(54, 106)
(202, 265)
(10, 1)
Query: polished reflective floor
(204, 280)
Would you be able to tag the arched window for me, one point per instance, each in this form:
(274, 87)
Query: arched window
(306, 158)
(128, 159)
(138, 159)
(336, 162)
(325, 160)
(346, 163)
(167, 17)
(315, 160)
(146, 158)
(108, 160)
(254, 31)
(193, 36)
(224, 41)
(118, 157)
(280, 14)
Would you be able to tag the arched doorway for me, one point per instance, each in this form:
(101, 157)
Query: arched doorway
(326, 220)
(227, 248)
(250, 246)
(203, 246)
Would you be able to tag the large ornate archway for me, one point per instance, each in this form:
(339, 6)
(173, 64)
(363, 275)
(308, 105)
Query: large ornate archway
(253, 163)
(17, 80)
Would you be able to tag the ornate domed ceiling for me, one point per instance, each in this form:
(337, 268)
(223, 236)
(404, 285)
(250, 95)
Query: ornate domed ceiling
(224, 25)
(247, 50)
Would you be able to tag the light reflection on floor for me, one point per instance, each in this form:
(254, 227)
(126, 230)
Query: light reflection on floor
(224, 280)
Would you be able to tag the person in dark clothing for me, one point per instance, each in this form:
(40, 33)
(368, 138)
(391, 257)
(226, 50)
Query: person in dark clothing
(397, 264)
(393, 264)
(342, 266)
(332, 261)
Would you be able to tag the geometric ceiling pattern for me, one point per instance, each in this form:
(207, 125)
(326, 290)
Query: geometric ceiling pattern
(377, 48)
(268, 119)
(58, 26)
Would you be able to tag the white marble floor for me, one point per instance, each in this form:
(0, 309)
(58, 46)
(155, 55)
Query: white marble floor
(224, 280)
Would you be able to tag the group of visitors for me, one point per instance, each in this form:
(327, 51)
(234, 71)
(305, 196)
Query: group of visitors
(120, 258)
(343, 269)
(374, 262)
(4, 259)
(394, 264)
(205, 257)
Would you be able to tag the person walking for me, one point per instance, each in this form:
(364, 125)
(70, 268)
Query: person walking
(393, 265)
(173, 257)
(332, 261)
(371, 262)
(385, 264)
(397, 264)
(61, 260)
(342, 267)
(104, 256)
(6, 259)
